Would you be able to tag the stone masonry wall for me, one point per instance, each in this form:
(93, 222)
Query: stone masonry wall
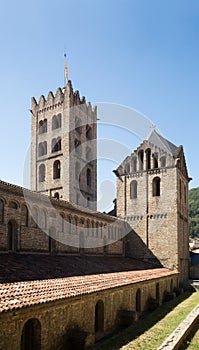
(58, 318)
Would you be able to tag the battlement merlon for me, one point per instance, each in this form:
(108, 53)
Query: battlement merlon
(61, 94)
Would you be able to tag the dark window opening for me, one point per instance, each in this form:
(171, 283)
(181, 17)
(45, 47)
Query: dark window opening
(148, 159)
(31, 335)
(155, 160)
(56, 145)
(99, 317)
(56, 170)
(156, 186)
(141, 159)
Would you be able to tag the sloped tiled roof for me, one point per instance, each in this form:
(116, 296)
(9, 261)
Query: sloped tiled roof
(22, 294)
(27, 267)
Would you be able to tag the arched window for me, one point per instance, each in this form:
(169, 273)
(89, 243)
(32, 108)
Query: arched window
(56, 170)
(31, 335)
(148, 159)
(56, 144)
(155, 160)
(134, 164)
(141, 159)
(56, 121)
(88, 202)
(88, 132)
(99, 317)
(12, 235)
(42, 173)
(180, 189)
(24, 215)
(156, 186)
(88, 177)
(133, 189)
(138, 300)
(1, 211)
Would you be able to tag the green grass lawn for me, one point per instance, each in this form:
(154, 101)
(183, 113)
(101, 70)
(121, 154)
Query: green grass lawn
(150, 332)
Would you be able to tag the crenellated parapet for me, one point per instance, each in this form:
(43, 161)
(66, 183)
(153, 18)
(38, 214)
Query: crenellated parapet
(62, 94)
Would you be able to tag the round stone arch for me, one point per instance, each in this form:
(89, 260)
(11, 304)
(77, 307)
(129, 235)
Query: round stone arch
(31, 335)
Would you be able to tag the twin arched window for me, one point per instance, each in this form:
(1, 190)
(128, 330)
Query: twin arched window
(43, 126)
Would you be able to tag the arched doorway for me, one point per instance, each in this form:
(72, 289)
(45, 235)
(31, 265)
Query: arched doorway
(99, 317)
(31, 335)
(12, 235)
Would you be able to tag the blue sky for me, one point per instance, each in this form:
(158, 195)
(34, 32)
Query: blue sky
(139, 53)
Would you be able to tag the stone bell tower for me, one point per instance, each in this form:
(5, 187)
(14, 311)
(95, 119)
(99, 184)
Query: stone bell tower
(152, 196)
(64, 147)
